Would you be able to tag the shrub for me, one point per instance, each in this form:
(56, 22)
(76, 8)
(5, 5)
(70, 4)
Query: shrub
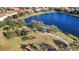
(15, 16)
(2, 24)
(24, 38)
(18, 32)
(6, 28)
(23, 33)
(8, 35)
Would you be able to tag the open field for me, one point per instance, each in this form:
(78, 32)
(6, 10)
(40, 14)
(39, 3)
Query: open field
(13, 44)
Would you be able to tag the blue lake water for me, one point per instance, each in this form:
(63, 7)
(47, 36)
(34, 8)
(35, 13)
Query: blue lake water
(63, 21)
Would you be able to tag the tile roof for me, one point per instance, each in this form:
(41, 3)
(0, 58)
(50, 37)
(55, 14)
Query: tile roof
(2, 14)
(19, 11)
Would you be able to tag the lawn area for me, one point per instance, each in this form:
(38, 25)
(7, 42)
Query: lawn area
(13, 44)
(64, 36)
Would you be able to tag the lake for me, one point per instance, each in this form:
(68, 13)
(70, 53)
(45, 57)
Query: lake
(65, 22)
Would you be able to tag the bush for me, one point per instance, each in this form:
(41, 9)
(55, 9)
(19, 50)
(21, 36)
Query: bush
(75, 45)
(8, 35)
(24, 38)
(24, 32)
(18, 32)
(15, 16)
(37, 24)
(2, 24)
(6, 28)
(53, 29)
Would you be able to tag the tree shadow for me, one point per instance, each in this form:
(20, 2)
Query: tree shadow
(32, 46)
(23, 46)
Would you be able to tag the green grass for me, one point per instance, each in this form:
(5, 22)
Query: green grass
(13, 44)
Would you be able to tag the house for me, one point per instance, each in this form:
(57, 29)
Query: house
(44, 9)
(7, 14)
(2, 16)
(11, 13)
(19, 11)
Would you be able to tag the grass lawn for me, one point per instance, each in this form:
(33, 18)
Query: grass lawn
(13, 44)
(65, 37)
